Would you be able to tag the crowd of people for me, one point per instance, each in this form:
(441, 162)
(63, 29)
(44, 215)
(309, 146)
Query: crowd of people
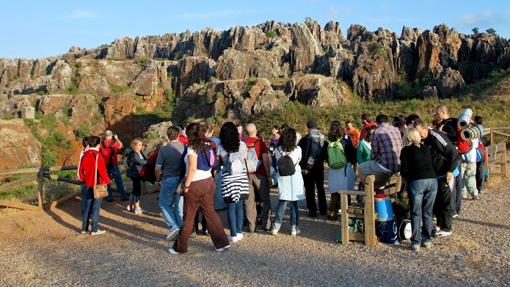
(441, 163)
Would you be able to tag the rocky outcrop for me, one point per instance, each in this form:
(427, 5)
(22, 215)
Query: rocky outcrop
(238, 65)
(19, 146)
(316, 90)
(449, 82)
(155, 136)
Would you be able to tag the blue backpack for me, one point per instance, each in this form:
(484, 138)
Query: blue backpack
(205, 160)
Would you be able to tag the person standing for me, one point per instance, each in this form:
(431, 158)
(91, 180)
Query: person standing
(111, 146)
(364, 150)
(418, 170)
(444, 160)
(353, 133)
(234, 178)
(481, 156)
(198, 190)
(259, 178)
(92, 171)
(341, 158)
(168, 171)
(314, 152)
(290, 181)
(135, 160)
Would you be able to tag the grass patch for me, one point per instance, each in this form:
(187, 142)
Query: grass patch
(119, 89)
(270, 34)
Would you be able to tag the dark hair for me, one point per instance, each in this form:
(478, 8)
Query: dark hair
(85, 141)
(369, 132)
(276, 128)
(381, 119)
(196, 136)
(479, 120)
(93, 141)
(410, 119)
(335, 131)
(366, 117)
(284, 127)
(229, 137)
(348, 122)
(288, 140)
(173, 133)
(398, 121)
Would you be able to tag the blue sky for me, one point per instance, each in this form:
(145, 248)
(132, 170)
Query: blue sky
(31, 29)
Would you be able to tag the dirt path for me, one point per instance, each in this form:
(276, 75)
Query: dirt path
(44, 248)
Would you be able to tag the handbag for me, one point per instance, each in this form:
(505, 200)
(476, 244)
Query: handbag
(100, 190)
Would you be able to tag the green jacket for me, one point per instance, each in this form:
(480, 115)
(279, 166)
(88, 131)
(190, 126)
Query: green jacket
(364, 152)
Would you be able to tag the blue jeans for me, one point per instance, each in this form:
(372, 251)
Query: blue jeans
(294, 212)
(422, 194)
(114, 174)
(89, 209)
(235, 217)
(170, 203)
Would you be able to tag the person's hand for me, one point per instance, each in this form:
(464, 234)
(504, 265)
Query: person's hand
(449, 176)
(115, 136)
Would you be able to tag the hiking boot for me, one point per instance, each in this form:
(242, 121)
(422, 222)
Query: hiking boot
(295, 230)
(443, 233)
(223, 248)
(98, 232)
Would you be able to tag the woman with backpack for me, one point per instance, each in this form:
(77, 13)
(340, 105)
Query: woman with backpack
(135, 160)
(234, 178)
(290, 181)
(198, 190)
(341, 157)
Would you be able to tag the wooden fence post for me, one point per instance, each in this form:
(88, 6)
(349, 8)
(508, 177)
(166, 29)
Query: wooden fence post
(40, 188)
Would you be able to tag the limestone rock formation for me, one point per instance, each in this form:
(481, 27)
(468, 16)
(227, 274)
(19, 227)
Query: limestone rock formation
(19, 146)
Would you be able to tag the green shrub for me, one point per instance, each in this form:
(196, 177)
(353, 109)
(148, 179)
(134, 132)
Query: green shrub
(270, 34)
(73, 87)
(119, 89)
(376, 48)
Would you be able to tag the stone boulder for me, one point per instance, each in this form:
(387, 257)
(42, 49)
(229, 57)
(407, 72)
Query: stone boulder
(156, 136)
(19, 147)
(193, 70)
(117, 107)
(61, 76)
(304, 50)
(56, 105)
(449, 82)
(316, 90)
(242, 65)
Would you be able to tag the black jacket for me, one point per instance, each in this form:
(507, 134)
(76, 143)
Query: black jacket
(133, 162)
(445, 157)
(313, 145)
(449, 127)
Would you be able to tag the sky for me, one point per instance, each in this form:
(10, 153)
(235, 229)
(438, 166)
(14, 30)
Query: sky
(42, 28)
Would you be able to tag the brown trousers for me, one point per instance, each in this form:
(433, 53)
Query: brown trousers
(201, 194)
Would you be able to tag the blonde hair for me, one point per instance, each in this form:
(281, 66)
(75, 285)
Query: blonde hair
(413, 137)
(135, 142)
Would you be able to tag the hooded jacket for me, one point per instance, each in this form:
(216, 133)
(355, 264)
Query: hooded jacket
(445, 157)
(313, 145)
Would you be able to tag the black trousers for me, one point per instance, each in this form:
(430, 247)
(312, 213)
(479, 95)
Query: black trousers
(443, 205)
(480, 176)
(315, 179)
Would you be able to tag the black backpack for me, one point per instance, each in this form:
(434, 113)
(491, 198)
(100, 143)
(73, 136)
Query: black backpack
(285, 165)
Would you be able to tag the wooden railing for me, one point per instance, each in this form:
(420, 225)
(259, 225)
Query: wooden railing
(497, 150)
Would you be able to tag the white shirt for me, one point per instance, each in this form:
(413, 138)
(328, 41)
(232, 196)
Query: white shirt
(470, 156)
(199, 174)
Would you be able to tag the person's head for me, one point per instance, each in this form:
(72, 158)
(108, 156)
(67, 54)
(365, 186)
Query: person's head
(398, 121)
(366, 118)
(311, 125)
(478, 120)
(349, 125)
(229, 137)
(422, 127)
(240, 129)
(85, 142)
(410, 119)
(288, 140)
(173, 133)
(93, 141)
(251, 130)
(381, 119)
(196, 136)
(284, 127)
(108, 134)
(137, 145)
(413, 137)
(275, 130)
(210, 130)
(370, 132)
(441, 113)
(335, 131)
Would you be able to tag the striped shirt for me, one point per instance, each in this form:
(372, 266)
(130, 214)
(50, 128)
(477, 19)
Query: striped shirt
(386, 146)
(234, 187)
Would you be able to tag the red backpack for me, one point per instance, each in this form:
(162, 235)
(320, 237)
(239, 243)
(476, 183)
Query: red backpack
(463, 146)
(107, 152)
(147, 172)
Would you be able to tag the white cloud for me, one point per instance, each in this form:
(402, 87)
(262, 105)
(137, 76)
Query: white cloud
(485, 19)
(80, 14)
(210, 14)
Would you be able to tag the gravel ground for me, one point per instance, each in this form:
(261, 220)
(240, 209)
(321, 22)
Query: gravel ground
(44, 248)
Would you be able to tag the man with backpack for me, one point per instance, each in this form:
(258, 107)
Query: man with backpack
(110, 147)
(259, 180)
(314, 152)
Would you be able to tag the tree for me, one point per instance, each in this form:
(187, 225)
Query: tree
(476, 30)
(491, 31)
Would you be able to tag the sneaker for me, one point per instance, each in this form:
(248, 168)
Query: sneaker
(83, 232)
(239, 236)
(98, 232)
(415, 247)
(172, 251)
(295, 230)
(427, 244)
(140, 211)
(172, 235)
(233, 239)
(223, 248)
(129, 208)
(275, 229)
(443, 233)
(455, 215)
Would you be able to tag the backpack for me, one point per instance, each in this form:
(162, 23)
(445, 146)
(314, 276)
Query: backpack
(336, 155)
(235, 163)
(253, 161)
(481, 153)
(147, 172)
(285, 165)
(107, 152)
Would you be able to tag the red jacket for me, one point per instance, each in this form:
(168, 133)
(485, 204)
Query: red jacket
(88, 166)
(183, 139)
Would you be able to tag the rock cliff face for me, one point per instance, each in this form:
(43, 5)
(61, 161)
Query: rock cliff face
(243, 71)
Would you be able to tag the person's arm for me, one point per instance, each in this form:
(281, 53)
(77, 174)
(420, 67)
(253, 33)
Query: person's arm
(404, 164)
(452, 157)
(139, 161)
(118, 143)
(192, 168)
(101, 169)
